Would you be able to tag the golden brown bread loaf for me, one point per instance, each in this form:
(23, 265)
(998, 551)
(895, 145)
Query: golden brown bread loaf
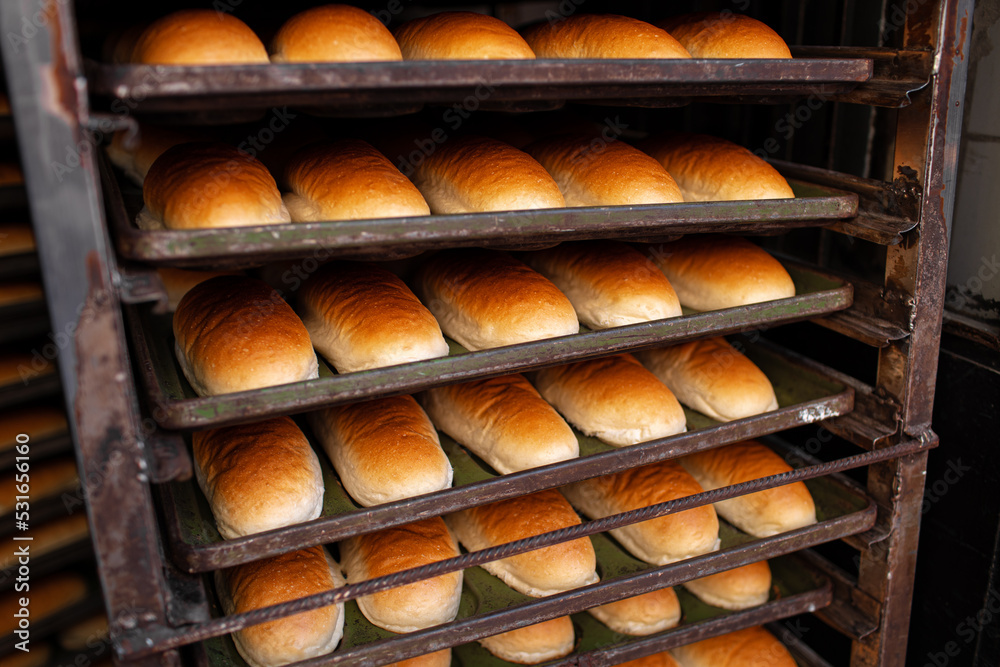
(16, 238)
(471, 174)
(760, 514)
(47, 538)
(744, 648)
(461, 36)
(334, 33)
(10, 174)
(49, 595)
(179, 282)
(533, 644)
(609, 283)
(12, 293)
(198, 37)
(601, 36)
(348, 180)
(38, 422)
(23, 367)
(281, 579)
(504, 421)
(641, 615)
(613, 399)
(415, 606)
(592, 171)
(663, 659)
(362, 316)
(383, 450)
(440, 658)
(738, 588)
(712, 169)
(725, 35)
(149, 143)
(47, 478)
(546, 571)
(235, 334)
(83, 635)
(658, 541)
(711, 272)
(712, 377)
(207, 184)
(258, 476)
(486, 298)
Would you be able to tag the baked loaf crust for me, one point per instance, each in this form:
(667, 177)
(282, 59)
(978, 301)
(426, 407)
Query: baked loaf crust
(383, 450)
(198, 37)
(206, 184)
(725, 35)
(150, 143)
(471, 174)
(334, 33)
(504, 421)
(440, 658)
(641, 615)
(546, 571)
(609, 283)
(461, 36)
(235, 334)
(361, 316)
(415, 606)
(348, 180)
(602, 36)
(739, 588)
(658, 541)
(712, 169)
(714, 272)
(486, 298)
(258, 476)
(752, 646)
(613, 399)
(712, 377)
(281, 579)
(593, 171)
(533, 644)
(761, 514)
(656, 660)
(38, 422)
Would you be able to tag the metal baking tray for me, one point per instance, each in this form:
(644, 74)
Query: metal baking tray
(361, 88)
(395, 238)
(174, 405)
(490, 607)
(796, 588)
(805, 395)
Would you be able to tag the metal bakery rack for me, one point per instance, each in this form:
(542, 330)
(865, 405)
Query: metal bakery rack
(155, 542)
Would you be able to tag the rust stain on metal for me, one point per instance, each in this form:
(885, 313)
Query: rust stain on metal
(962, 34)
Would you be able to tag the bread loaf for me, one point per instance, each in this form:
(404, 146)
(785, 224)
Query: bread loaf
(49, 595)
(738, 588)
(22, 367)
(83, 635)
(715, 272)
(258, 477)
(601, 36)
(658, 541)
(205, 184)
(663, 659)
(486, 298)
(47, 537)
(761, 514)
(609, 283)
(713, 169)
(613, 399)
(470, 174)
(348, 180)
(13, 293)
(235, 334)
(134, 155)
(504, 421)
(533, 644)
(284, 578)
(199, 37)
(546, 571)
(641, 615)
(178, 282)
(712, 377)
(383, 450)
(744, 648)
(334, 33)
(440, 658)
(725, 35)
(594, 171)
(414, 606)
(38, 422)
(362, 316)
(47, 478)
(16, 238)
(460, 36)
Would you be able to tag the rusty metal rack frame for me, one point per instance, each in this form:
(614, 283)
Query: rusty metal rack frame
(921, 73)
